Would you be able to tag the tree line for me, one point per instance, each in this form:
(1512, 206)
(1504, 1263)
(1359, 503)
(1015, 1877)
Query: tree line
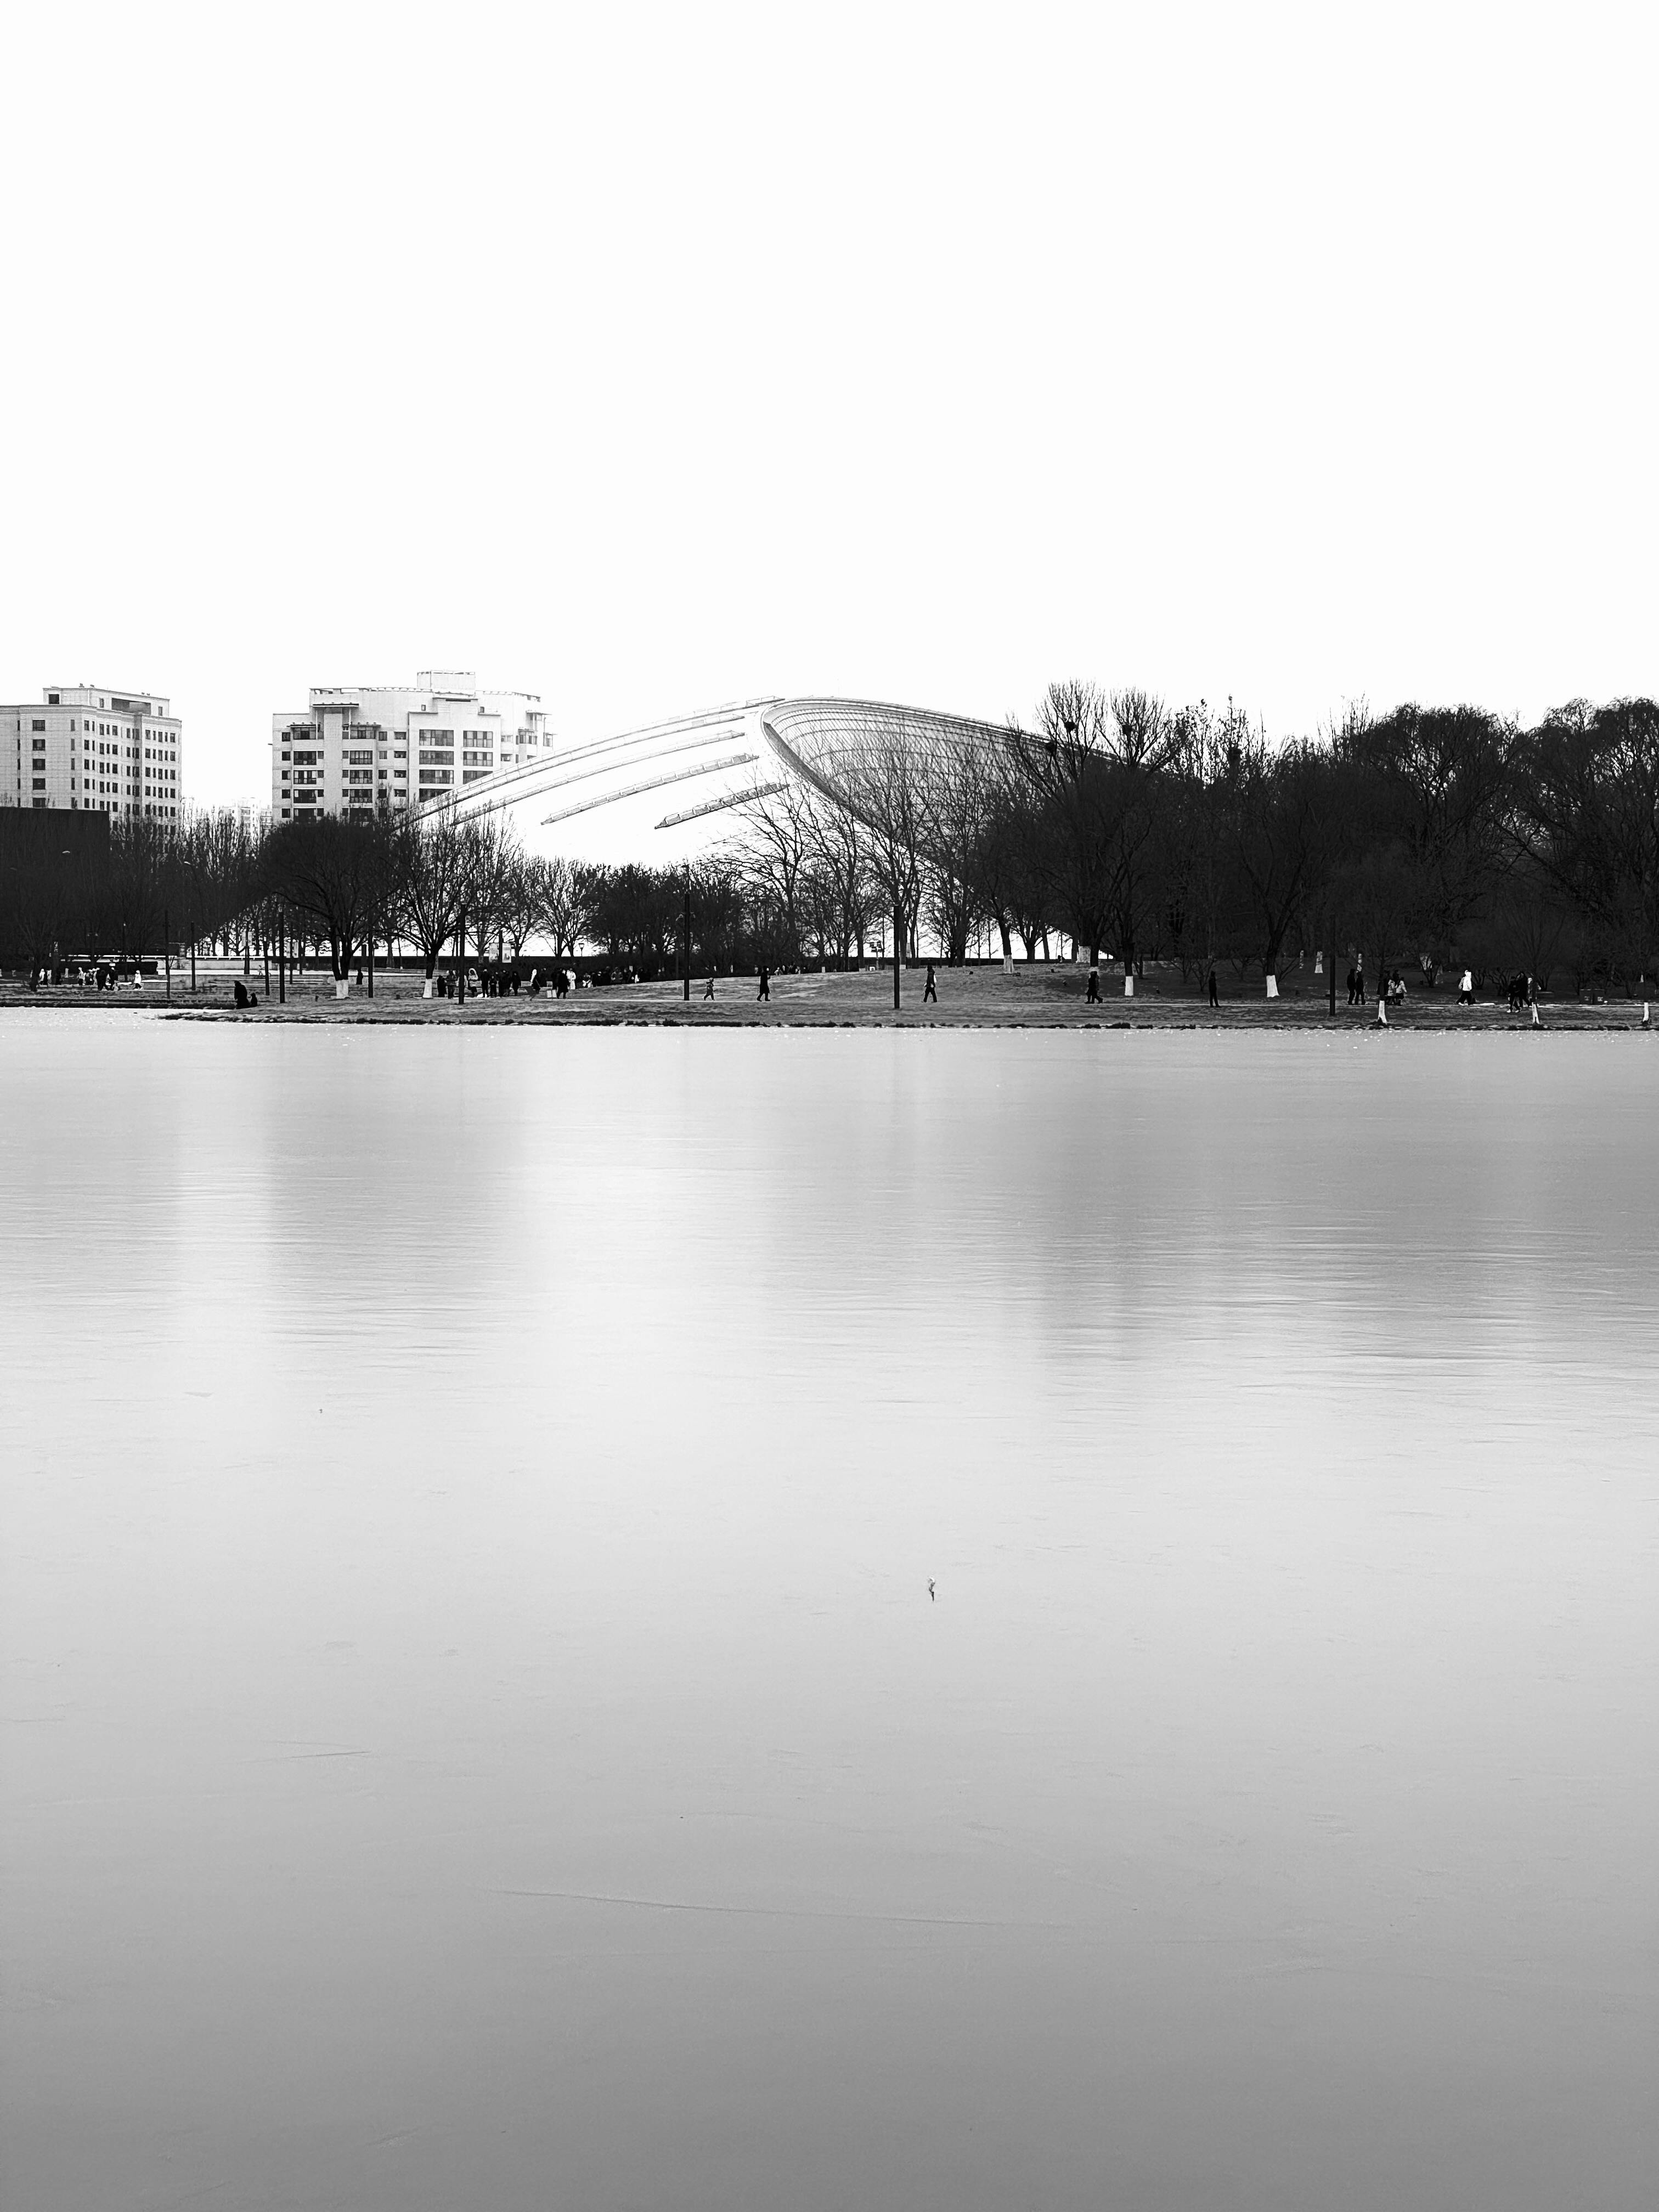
(1128, 830)
(327, 889)
(217, 883)
(94, 887)
(1139, 832)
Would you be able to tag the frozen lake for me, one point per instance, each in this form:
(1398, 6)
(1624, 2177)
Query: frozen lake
(475, 1728)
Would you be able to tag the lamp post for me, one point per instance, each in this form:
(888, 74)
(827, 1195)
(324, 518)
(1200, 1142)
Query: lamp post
(688, 932)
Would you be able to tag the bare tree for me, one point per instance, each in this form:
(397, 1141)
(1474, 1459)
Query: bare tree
(518, 909)
(431, 881)
(1067, 767)
(718, 917)
(1194, 832)
(326, 868)
(489, 849)
(881, 773)
(1141, 754)
(771, 846)
(1588, 820)
(1283, 810)
(840, 856)
(1441, 783)
(558, 912)
(956, 806)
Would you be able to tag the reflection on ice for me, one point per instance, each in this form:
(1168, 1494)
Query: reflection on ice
(826, 1618)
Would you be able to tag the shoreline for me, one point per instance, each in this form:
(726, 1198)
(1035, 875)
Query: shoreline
(969, 998)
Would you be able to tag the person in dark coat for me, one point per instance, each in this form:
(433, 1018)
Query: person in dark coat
(1091, 996)
(930, 989)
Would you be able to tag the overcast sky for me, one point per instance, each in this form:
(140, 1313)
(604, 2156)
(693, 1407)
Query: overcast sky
(652, 357)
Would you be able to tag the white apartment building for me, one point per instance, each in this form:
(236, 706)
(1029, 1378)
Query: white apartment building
(358, 742)
(95, 750)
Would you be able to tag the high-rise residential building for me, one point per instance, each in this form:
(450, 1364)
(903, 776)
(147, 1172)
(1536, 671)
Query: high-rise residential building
(355, 742)
(96, 750)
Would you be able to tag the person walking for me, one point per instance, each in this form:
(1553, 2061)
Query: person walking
(1215, 995)
(1465, 989)
(930, 989)
(765, 990)
(709, 989)
(1091, 996)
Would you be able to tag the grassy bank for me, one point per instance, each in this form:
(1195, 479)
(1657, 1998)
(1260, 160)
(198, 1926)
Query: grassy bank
(1039, 996)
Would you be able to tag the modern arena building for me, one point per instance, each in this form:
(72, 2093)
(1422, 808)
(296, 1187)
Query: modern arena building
(655, 794)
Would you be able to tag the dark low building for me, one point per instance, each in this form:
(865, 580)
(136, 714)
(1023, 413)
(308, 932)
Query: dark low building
(36, 836)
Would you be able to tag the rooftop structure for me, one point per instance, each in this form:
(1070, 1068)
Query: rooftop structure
(355, 744)
(91, 748)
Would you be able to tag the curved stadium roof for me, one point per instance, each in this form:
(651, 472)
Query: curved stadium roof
(821, 740)
(703, 764)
